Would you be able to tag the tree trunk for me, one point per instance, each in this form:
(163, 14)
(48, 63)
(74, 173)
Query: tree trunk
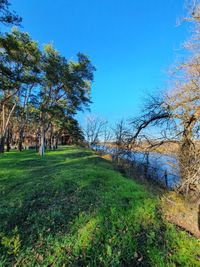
(56, 144)
(5, 123)
(2, 136)
(2, 143)
(37, 141)
(187, 157)
(187, 149)
(20, 144)
(50, 143)
(50, 140)
(42, 142)
(8, 140)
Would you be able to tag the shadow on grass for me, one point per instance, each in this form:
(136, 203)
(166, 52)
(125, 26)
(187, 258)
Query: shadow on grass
(45, 195)
(73, 208)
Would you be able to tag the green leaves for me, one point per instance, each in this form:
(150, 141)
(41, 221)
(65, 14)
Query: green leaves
(11, 243)
(19, 56)
(64, 89)
(8, 17)
(45, 90)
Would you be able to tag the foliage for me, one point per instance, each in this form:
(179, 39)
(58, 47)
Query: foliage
(40, 92)
(8, 17)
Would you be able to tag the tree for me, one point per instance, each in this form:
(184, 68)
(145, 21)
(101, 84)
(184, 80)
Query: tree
(63, 86)
(70, 127)
(40, 91)
(95, 130)
(8, 17)
(19, 68)
(177, 112)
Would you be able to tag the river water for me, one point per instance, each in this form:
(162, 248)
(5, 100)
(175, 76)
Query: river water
(161, 167)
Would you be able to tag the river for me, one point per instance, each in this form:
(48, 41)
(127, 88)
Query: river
(161, 167)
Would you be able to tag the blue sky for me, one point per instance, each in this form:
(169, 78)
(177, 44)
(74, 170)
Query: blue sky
(132, 43)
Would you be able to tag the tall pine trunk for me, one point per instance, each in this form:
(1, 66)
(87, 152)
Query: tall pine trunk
(21, 135)
(56, 144)
(37, 141)
(42, 142)
(5, 123)
(50, 143)
(8, 140)
(2, 143)
(2, 135)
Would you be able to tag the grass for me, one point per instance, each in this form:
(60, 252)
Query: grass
(72, 208)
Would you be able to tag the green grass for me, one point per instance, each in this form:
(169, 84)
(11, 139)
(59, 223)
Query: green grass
(73, 209)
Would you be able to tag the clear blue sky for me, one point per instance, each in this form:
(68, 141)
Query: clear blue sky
(132, 43)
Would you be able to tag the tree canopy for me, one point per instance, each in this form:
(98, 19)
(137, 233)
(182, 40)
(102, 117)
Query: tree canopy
(40, 90)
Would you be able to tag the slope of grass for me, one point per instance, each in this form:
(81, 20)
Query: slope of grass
(73, 209)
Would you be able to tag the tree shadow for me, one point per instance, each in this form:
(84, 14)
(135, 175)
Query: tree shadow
(43, 200)
(50, 200)
(49, 210)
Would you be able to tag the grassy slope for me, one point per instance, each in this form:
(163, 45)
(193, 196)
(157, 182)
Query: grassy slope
(73, 209)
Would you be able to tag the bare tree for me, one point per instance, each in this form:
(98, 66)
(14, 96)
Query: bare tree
(107, 135)
(176, 114)
(95, 130)
(121, 140)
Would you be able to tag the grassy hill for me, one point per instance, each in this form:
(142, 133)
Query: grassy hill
(73, 209)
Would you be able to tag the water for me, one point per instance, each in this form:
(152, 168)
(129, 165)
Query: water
(160, 167)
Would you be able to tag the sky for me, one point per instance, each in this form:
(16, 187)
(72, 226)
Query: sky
(132, 44)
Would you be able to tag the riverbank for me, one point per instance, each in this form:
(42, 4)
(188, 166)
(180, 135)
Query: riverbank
(156, 166)
(175, 207)
(72, 208)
